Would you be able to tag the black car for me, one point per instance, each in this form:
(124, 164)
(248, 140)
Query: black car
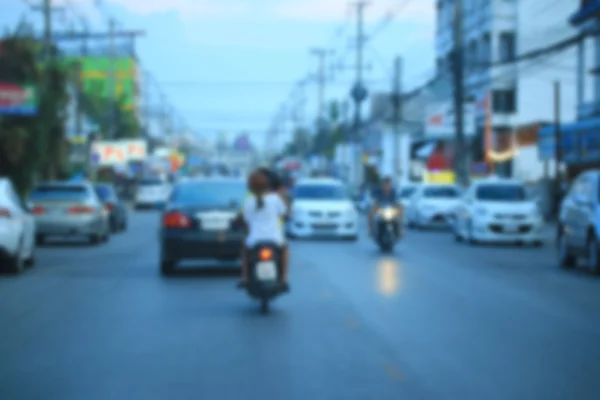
(200, 221)
(114, 205)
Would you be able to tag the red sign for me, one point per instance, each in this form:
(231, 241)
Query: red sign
(11, 95)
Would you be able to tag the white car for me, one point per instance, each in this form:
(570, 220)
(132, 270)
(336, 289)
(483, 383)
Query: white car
(406, 192)
(432, 206)
(152, 193)
(322, 207)
(17, 230)
(499, 210)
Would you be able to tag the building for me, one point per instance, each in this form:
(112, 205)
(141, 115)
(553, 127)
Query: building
(580, 141)
(489, 38)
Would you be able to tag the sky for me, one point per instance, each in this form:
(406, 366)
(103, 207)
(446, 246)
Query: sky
(230, 65)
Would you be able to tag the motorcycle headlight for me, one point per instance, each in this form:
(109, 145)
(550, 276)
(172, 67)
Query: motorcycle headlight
(388, 213)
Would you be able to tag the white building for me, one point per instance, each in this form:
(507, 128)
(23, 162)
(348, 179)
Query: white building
(496, 33)
(542, 25)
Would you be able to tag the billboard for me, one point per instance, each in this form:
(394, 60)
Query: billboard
(18, 99)
(439, 120)
(95, 74)
(118, 152)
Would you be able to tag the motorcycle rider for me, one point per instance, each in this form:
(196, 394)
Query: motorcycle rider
(263, 213)
(384, 195)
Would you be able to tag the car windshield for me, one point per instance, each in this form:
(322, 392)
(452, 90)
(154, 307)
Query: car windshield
(151, 182)
(407, 192)
(441, 192)
(320, 192)
(501, 193)
(58, 192)
(210, 194)
(105, 192)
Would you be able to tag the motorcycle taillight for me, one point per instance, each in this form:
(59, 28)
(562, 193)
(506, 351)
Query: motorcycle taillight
(265, 254)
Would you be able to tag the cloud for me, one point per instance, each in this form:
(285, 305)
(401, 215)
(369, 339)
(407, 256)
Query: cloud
(421, 11)
(186, 8)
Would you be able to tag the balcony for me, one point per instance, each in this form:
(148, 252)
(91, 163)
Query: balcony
(588, 10)
(588, 110)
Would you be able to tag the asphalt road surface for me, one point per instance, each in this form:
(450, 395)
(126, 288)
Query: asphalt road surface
(437, 320)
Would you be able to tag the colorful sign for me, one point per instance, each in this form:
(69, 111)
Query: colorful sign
(95, 75)
(18, 99)
(119, 152)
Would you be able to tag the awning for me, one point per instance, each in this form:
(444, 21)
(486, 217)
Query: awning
(585, 12)
(579, 142)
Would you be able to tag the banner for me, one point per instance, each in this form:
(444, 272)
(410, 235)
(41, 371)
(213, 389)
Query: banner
(95, 78)
(18, 99)
(118, 152)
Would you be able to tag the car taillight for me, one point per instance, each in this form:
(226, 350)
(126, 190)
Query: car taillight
(81, 210)
(110, 207)
(176, 220)
(4, 213)
(38, 210)
(265, 254)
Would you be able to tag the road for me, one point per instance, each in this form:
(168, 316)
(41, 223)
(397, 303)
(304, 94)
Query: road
(438, 320)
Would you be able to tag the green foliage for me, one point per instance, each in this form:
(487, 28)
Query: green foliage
(32, 146)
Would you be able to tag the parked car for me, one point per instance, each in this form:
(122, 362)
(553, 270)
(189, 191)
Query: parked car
(500, 211)
(432, 206)
(578, 229)
(152, 193)
(200, 222)
(116, 207)
(71, 209)
(17, 230)
(322, 207)
(405, 193)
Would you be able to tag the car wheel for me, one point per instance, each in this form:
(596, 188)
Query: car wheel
(470, 236)
(592, 255)
(30, 261)
(16, 264)
(95, 239)
(40, 239)
(167, 267)
(565, 258)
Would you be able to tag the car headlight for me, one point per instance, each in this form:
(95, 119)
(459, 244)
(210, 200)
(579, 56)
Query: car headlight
(298, 214)
(480, 212)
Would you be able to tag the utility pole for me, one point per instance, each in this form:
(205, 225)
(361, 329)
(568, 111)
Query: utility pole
(397, 104)
(461, 159)
(557, 148)
(112, 83)
(359, 92)
(321, 54)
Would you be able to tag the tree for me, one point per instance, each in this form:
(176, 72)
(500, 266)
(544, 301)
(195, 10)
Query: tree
(32, 146)
(330, 133)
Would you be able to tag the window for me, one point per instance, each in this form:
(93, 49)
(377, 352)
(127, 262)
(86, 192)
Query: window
(484, 50)
(504, 101)
(210, 194)
(441, 192)
(320, 192)
(507, 46)
(501, 193)
(407, 192)
(58, 192)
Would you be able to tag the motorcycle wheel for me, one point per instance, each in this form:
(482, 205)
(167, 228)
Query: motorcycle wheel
(264, 306)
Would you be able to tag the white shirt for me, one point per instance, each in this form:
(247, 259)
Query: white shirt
(264, 224)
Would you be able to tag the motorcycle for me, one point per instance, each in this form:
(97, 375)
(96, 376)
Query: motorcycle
(265, 268)
(388, 222)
